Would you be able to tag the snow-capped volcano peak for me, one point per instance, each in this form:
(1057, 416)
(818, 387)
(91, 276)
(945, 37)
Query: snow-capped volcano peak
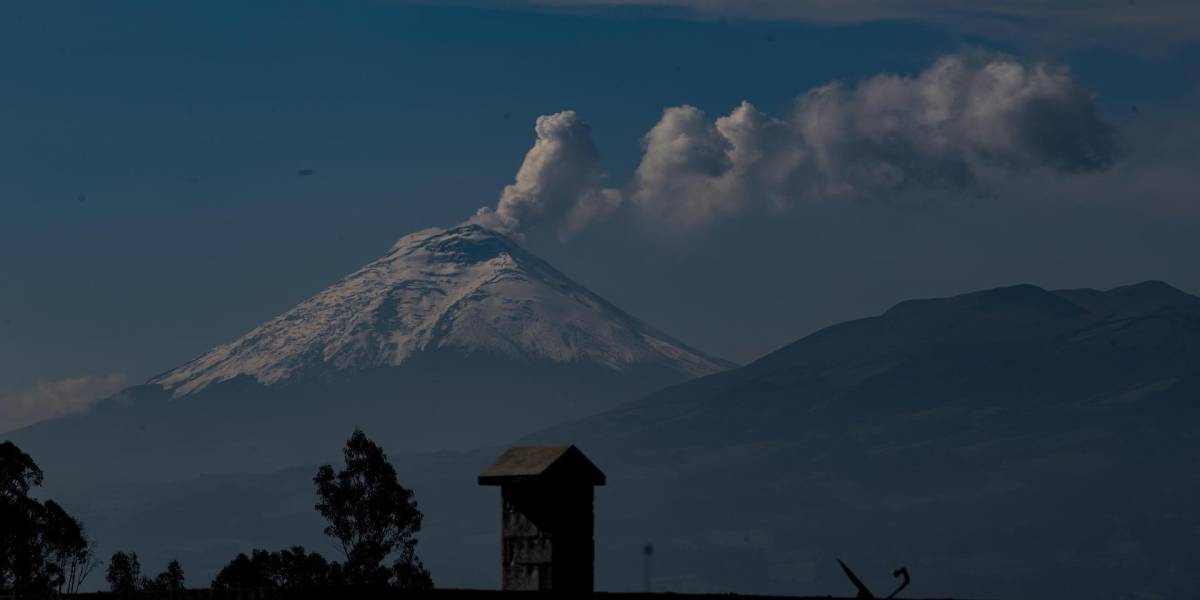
(468, 289)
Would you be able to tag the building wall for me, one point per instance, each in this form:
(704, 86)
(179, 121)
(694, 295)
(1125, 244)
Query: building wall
(547, 537)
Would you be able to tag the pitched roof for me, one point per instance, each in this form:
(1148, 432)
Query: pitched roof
(536, 464)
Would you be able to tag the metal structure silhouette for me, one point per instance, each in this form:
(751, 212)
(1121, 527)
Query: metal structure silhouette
(864, 593)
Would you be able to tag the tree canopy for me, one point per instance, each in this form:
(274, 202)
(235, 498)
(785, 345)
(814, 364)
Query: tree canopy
(124, 573)
(291, 569)
(372, 517)
(43, 549)
(125, 576)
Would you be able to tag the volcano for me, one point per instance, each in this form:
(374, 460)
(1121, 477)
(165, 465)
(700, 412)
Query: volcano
(456, 338)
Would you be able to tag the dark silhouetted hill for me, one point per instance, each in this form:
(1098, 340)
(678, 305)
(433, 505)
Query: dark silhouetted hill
(1014, 442)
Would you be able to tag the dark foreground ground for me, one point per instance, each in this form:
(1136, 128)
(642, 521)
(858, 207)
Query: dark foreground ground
(440, 594)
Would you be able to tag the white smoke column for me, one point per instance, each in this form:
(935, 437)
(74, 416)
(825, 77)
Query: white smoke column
(560, 182)
(964, 120)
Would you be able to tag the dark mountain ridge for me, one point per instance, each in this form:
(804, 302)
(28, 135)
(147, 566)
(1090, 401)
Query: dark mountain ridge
(994, 329)
(1015, 442)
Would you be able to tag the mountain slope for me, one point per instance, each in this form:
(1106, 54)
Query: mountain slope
(453, 339)
(468, 289)
(1014, 442)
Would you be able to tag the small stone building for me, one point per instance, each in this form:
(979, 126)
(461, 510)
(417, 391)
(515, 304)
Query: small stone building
(546, 520)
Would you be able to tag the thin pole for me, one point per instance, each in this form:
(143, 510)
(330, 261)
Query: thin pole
(648, 552)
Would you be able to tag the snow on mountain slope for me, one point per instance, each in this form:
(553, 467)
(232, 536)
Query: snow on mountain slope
(466, 288)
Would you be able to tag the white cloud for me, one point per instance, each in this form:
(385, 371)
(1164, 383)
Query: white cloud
(48, 399)
(955, 126)
(560, 182)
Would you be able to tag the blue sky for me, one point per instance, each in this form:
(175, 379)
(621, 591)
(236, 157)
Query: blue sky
(152, 206)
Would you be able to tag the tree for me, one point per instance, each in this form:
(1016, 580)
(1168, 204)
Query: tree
(371, 516)
(408, 573)
(245, 572)
(42, 548)
(18, 473)
(67, 547)
(170, 580)
(124, 573)
(18, 516)
(292, 569)
(302, 570)
(79, 565)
